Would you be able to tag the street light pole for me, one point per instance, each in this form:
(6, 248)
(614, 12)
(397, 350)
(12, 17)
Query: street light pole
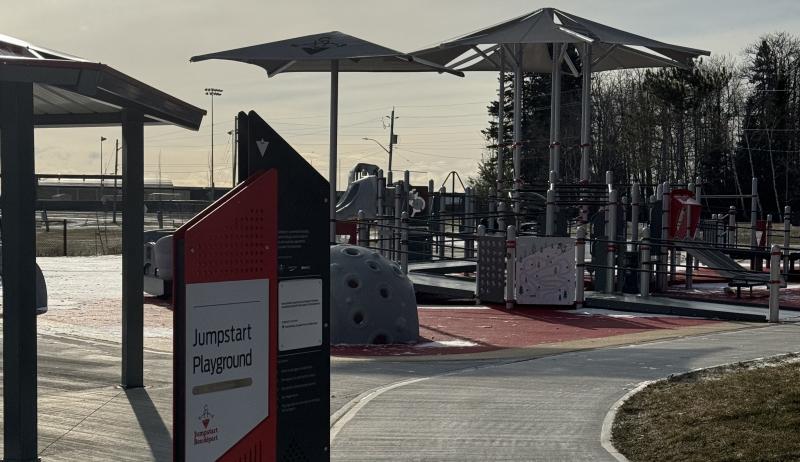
(391, 144)
(212, 92)
(388, 151)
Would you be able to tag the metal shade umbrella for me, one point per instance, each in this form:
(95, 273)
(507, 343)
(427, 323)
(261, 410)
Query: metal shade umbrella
(538, 42)
(332, 52)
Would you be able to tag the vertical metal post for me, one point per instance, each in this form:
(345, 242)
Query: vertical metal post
(511, 257)
(440, 224)
(361, 229)
(501, 217)
(555, 111)
(732, 226)
(768, 232)
(611, 246)
(517, 130)
(132, 242)
(787, 230)
(481, 232)
(664, 245)
(550, 212)
(469, 222)
(689, 270)
(19, 273)
(404, 242)
(774, 283)
(624, 237)
(753, 220)
(645, 265)
(636, 200)
(381, 212)
(332, 162)
(398, 210)
(64, 237)
(580, 265)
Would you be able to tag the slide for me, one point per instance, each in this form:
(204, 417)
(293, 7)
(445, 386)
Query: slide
(361, 194)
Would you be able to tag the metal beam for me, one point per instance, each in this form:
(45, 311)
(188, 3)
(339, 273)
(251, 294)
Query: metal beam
(19, 275)
(132, 255)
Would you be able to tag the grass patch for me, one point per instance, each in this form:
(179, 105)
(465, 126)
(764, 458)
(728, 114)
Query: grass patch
(737, 414)
(81, 241)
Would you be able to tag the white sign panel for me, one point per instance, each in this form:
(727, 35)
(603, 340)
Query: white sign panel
(227, 357)
(545, 270)
(299, 314)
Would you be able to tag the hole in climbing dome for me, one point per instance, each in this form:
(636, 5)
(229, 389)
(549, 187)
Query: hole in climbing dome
(358, 318)
(373, 265)
(353, 283)
(384, 291)
(352, 251)
(380, 339)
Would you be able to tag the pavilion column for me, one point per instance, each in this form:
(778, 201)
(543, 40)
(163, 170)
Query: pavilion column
(333, 161)
(555, 112)
(132, 243)
(19, 275)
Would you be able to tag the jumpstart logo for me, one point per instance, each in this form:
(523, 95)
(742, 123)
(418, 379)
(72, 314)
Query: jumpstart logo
(209, 433)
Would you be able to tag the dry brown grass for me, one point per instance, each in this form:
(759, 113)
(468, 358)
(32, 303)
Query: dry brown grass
(740, 414)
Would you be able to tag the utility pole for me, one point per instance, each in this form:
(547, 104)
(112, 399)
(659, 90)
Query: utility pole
(116, 167)
(392, 141)
(212, 92)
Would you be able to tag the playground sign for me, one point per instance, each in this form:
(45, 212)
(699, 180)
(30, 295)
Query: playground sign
(252, 371)
(684, 214)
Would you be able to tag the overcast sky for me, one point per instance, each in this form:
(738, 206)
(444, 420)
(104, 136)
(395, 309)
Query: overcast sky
(439, 116)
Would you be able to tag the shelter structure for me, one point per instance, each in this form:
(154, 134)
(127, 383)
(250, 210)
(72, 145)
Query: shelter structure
(332, 52)
(42, 88)
(541, 41)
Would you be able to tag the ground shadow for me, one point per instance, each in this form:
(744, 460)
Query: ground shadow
(151, 423)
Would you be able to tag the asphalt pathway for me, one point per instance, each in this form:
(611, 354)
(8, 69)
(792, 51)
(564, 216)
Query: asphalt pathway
(548, 409)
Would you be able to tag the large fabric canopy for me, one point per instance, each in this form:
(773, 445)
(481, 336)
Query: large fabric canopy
(314, 53)
(332, 52)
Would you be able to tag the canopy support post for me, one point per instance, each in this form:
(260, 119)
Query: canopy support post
(555, 111)
(333, 146)
(132, 243)
(19, 275)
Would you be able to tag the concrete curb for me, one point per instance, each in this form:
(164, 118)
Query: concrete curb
(611, 415)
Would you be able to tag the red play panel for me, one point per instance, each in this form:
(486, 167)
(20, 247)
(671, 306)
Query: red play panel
(469, 330)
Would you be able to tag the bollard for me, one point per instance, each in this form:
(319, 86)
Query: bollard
(404, 242)
(511, 256)
(787, 230)
(362, 231)
(550, 211)
(732, 226)
(580, 264)
(774, 283)
(645, 265)
(611, 247)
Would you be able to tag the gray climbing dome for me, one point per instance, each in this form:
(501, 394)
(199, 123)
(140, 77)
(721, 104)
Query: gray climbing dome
(372, 300)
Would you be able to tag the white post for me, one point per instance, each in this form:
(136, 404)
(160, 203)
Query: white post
(612, 235)
(580, 265)
(774, 283)
(511, 256)
(787, 230)
(645, 264)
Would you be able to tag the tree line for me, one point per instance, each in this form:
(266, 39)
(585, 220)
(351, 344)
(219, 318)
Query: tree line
(724, 120)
